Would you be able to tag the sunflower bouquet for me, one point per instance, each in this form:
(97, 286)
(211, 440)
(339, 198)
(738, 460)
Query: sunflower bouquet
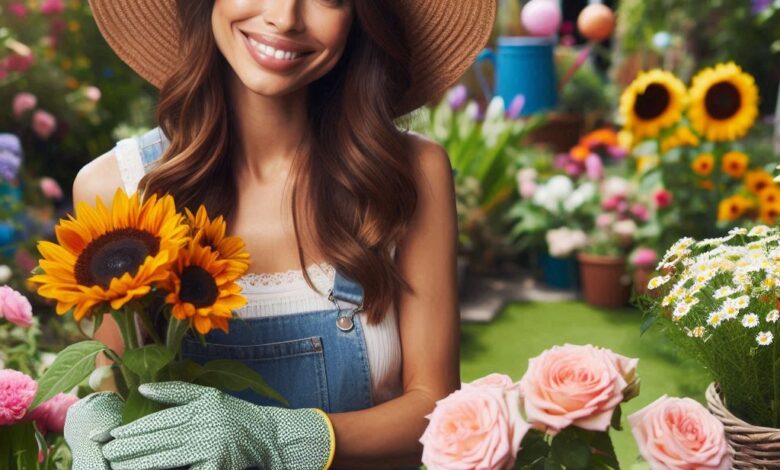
(686, 140)
(717, 299)
(158, 273)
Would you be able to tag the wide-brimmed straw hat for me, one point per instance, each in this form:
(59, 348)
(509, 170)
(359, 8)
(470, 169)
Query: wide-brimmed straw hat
(444, 36)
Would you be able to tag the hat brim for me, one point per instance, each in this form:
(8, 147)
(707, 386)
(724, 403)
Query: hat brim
(445, 37)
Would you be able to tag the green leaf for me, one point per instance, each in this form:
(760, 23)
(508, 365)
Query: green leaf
(647, 323)
(604, 455)
(534, 448)
(72, 365)
(552, 465)
(616, 417)
(226, 374)
(570, 449)
(148, 361)
(18, 446)
(137, 406)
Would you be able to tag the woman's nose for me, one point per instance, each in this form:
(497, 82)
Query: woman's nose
(284, 15)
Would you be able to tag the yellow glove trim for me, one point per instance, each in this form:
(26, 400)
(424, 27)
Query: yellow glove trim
(332, 438)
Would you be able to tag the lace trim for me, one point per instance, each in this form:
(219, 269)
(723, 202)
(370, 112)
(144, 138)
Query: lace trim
(322, 275)
(128, 159)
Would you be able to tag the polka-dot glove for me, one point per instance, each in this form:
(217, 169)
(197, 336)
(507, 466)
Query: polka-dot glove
(210, 430)
(87, 426)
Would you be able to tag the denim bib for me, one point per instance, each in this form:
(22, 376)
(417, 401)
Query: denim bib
(313, 359)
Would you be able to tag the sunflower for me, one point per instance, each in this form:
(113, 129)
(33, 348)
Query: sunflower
(229, 248)
(769, 195)
(758, 180)
(732, 208)
(681, 137)
(724, 102)
(703, 164)
(652, 102)
(707, 184)
(110, 255)
(735, 164)
(769, 213)
(579, 153)
(202, 288)
(600, 137)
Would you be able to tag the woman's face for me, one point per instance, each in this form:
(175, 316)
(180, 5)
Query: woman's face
(276, 47)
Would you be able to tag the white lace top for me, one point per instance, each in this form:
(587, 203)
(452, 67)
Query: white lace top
(280, 293)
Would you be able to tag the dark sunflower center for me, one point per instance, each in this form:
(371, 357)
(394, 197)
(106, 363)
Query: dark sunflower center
(653, 102)
(722, 100)
(198, 287)
(113, 254)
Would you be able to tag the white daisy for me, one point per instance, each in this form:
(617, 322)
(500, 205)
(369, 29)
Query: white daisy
(723, 292)
(714, 319)
(758, 231)
(658, 281)
(697, 332)
(742, 302)
(729, 311)
(681, 311)
(764, 338)
(738, 231)
(773, 316)
(750, 320)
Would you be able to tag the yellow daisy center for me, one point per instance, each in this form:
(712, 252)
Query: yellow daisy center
(722, 100)
(198, 287)
(113, 254)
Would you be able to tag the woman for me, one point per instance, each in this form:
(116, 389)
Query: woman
(279, 115)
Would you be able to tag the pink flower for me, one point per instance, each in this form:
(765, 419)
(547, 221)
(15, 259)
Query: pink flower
(51, 7)
(611, 203)
(679, 433)
(500, 381)
(50, 188)
(50, 415)
(17, 391)
(640, 212)
(19, 62)
(663, 198)
(594, 167)
(477, 427)
(92, 93)
(43, 124)
(575, 386)
(18, 9)
(22, 103)
(605, 220)
(645, 258)
(15, 307)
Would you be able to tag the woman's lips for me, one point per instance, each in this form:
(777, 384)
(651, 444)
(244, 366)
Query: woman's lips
(274, 55)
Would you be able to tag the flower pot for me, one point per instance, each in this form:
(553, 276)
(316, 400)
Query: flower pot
(560, 273)
(641, 277)
(753, 447)
(605, 282)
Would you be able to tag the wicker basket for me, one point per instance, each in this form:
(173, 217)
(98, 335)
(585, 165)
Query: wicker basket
(754, 447)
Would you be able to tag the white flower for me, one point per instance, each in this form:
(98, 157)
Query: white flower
(714, 319)
(615, 186)
(758, 231)
(738, 231)
(729, 311)
(681, 311)
(724, 291)
(625, 228)
(495, 110)
(562, 242)
(657, 282)
(764, 338)
(750, 320)
(772, 316)
(697, 332)
(5, 273)
(682, 245)
(742, 302)
(580, 196)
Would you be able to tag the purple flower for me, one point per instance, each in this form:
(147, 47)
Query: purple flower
(516, 107)
(594, 167)
(9, 165)
(10, 143)
(457, 97)
(759, 6)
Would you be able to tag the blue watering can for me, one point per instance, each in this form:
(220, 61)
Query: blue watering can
(523, 66)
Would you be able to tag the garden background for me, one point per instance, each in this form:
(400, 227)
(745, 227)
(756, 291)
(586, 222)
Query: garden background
(571, 180)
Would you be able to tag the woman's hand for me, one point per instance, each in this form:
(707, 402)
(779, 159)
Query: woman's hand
(209, 429)
(87, 426)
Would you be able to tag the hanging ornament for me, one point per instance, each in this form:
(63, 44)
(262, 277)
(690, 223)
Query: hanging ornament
(596, 22)
(541, 17)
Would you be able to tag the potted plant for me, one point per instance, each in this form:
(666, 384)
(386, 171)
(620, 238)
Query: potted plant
(641, 264)
(718, 301)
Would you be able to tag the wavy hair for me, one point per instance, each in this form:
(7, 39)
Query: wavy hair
(357, 176)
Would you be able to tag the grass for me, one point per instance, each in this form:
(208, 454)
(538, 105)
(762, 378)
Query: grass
(523, 330)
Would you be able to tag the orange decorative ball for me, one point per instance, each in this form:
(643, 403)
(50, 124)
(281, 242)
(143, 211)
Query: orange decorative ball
(596, 22)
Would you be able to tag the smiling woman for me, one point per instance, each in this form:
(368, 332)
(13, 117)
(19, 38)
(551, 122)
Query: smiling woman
(279, 115)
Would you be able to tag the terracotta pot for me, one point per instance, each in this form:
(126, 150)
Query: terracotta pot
(605, 281)
(641, 277)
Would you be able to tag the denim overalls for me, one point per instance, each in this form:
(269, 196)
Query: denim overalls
(313, 359)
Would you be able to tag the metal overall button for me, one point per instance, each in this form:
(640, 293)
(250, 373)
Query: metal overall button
(345, 324)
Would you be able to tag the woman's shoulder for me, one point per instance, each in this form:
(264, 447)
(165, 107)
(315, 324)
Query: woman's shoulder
(99, 178)
(432, 162)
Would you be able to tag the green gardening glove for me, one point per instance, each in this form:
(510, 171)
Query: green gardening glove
(211, 430)
(87, 426)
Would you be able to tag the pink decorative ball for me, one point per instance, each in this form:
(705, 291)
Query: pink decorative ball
(541, 17)
(596, 22)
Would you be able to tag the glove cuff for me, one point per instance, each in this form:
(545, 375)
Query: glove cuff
(332, 439)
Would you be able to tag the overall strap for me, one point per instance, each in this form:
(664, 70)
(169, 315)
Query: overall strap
(346, 290)
(152, 145)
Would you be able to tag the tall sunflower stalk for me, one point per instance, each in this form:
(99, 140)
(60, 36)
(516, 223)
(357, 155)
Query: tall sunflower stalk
(146, 265)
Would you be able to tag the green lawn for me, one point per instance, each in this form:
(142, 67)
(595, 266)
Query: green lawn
(523, 330)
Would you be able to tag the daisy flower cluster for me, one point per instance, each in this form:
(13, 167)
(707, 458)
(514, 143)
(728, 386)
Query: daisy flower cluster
(713, 285)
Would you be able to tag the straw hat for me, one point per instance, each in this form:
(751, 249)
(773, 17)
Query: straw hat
(445, 36)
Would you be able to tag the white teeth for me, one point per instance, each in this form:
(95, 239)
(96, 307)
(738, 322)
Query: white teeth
(271, 52)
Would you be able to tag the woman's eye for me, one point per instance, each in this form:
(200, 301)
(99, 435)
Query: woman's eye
(333, 3)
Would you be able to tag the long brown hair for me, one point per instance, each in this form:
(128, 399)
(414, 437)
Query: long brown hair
(358, 175)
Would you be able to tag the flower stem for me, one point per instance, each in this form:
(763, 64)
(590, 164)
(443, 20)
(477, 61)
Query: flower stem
(176, 331)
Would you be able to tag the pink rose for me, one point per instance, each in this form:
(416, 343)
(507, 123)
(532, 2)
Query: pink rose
(640, 212)
(43, 124)
(18, 9)
(22, 103)
(17, 391)
(663, 198)
(575, 386)
(51, 7)
(679, 433)
(15, 307)
(50, 188)
(645, 258)
(500, 381)
(477, 427)
(19, 62)
(611, 203)
(50, 415)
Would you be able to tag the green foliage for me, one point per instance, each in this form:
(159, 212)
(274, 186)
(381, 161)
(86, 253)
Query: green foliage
(586, 92)
(572, 449)
(72, 366)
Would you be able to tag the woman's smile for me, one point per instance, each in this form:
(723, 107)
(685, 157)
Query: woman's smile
(275, 54)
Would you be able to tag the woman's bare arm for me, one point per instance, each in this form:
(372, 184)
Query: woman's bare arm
(387, 435)
(101, 178)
